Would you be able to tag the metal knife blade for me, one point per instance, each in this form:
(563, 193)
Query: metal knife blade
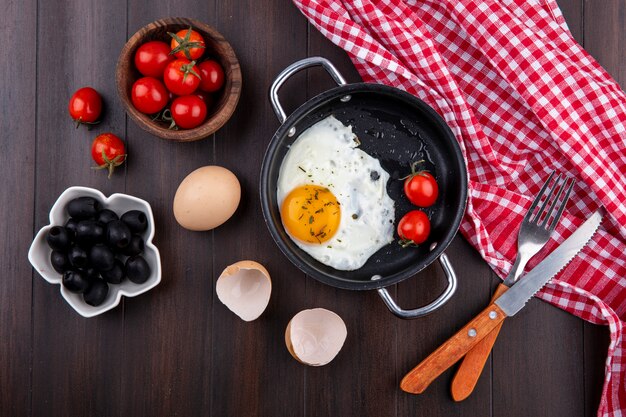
(518, 295)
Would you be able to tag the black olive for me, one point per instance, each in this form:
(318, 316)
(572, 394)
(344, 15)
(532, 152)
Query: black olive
(135, 247)
(91, 273)
(71, 226)
(136, 220)
(58, 238)
(96, 294)
(75, 281)
(82, 208)
(101, 257)
(137, 269)
(114, 275)
(59, 261)
(89, 232)
(106, 215)
(118, 235)
(77, 256)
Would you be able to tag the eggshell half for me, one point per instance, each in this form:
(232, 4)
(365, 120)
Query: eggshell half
(206, 198)
(315, 337)
(245, 288)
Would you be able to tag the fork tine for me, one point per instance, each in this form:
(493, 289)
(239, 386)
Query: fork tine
(555, 200)
(537, 199)
(557, 216)
(537, 218)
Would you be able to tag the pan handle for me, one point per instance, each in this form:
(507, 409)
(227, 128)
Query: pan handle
(427, 309)
(292, 69)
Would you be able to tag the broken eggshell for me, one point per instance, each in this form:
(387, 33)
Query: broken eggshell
(314, 337)
(245, 288)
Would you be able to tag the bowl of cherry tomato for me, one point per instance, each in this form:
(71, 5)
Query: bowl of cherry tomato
(178, 79)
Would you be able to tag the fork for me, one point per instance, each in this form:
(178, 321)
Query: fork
(534, 233)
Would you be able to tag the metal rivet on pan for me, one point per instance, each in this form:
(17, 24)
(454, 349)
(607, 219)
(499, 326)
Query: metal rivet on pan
(375, 277)
(291, 131)
(472, 332)
(493, 315)
(345, 99)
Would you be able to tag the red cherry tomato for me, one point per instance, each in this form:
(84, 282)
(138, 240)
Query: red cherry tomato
(413, 228)
(188, 111)
(152, 57)
(182, 77)
(108, 151)
(85, 106)
(149, 95)
(421, 189)
(187, 43)
(212, 76)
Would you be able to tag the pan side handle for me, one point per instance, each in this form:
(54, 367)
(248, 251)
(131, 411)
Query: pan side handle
(427, 309)
(291, 70)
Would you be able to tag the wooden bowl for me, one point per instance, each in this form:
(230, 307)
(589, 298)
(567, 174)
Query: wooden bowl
(217, 48)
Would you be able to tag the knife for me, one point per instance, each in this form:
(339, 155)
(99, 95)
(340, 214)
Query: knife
(507, 305)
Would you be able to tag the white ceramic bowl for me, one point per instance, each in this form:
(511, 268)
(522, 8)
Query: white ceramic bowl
(39, 253)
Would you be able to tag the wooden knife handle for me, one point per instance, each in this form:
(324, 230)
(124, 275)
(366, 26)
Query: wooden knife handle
(472, 365)
(420, 377)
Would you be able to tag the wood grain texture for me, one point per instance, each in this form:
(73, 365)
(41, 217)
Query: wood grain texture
(167, 332)
(76, 361)
(177, 350)
(253, 372)
(17, 168)
(605, 39)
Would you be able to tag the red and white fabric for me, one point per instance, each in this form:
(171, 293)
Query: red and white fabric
(523, 98)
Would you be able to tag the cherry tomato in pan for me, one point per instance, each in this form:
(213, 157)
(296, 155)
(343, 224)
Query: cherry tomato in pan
(149, 95)
(187, 43)
(413, 228)
(182, 77)
(212, 76)
(85, 106)
(421, 189)
(152, 57)
(108, 151)
(188, 111)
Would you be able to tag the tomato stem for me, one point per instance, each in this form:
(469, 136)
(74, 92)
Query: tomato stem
(407, 243)
(88, 124)
(414, 171)
(185, 44)
(188, 69)
(110, 164)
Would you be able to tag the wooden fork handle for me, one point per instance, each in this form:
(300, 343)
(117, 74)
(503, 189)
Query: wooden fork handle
(446, 355)
(472, 365)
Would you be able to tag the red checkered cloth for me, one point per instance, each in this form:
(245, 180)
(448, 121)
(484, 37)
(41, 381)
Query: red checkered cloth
(523, 98)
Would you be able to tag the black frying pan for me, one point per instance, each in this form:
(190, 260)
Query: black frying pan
(397, 129)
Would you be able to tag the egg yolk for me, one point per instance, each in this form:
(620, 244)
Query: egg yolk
(311, 213)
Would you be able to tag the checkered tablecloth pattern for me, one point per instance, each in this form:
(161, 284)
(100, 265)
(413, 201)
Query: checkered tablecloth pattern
(523, 98)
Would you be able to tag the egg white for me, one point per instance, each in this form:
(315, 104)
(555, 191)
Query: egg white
(327, 154)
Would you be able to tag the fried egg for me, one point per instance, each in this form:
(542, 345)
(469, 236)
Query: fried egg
(333, 197)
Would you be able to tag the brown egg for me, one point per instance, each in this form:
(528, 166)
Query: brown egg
(206, 198)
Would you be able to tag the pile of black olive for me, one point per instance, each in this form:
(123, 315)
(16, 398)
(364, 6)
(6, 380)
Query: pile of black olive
(96, 248)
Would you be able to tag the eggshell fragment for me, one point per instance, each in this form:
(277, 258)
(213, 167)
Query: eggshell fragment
(245, 288)
(206, 198)
(314, 337)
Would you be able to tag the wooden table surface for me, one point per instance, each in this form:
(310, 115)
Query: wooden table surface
(177, 350)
